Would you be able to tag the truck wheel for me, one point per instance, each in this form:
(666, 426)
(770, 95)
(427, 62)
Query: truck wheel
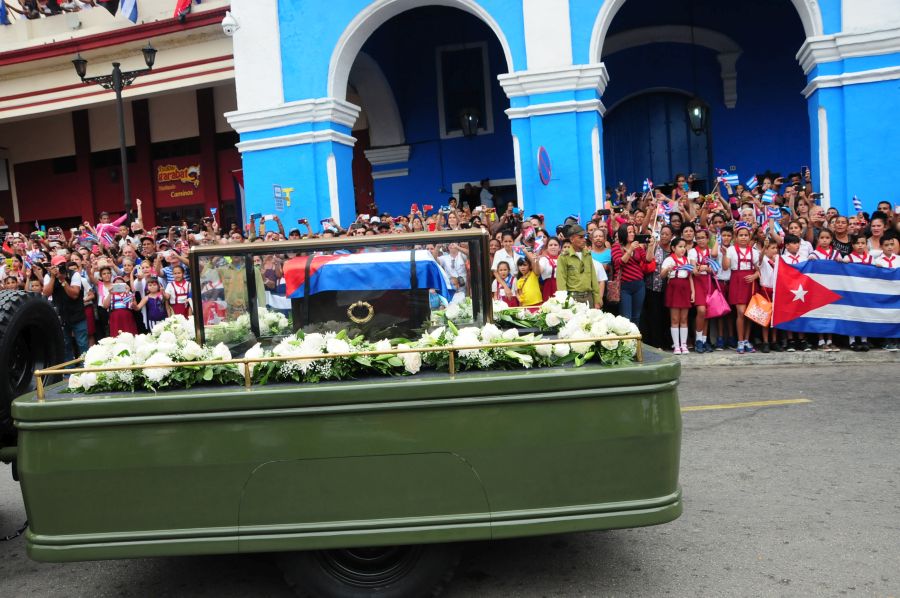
(30, 339)
(386, 572)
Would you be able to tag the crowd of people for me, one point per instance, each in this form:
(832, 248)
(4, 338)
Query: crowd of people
(38, 9)
(651, 257)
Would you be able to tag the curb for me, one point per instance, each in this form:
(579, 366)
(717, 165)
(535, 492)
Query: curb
(729, 358)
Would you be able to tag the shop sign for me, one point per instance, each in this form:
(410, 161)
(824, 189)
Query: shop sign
(178, 181)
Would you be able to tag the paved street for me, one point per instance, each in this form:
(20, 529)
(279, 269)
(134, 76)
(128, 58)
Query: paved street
(796, 499)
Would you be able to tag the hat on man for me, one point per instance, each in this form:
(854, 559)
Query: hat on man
(58, 259)
(375, 220)
(162, 242)
(574, 230)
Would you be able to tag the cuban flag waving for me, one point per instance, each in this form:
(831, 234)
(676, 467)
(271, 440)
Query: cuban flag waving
(857, 204)
(752, 183)
(728, 179)
(4, 16)
(824, 296)
(129, 10)
(769, 196)
(648, 185)
(386, 270)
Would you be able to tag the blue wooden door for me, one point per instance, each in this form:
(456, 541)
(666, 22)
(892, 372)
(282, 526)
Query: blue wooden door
(649, 136)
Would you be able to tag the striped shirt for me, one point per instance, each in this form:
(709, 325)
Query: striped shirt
(632, 269)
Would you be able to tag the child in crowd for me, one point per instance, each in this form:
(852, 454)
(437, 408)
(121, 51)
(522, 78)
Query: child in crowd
(11, 283)
(793, 255)
(178, 293)
(34, 286)
(889, 259)
(503, 283)
(825, 251)
(725, 325)
(680, 293)
(742, 259)
(119, 302)
(859, 255)
(699, 257)
(767, 285)
(153, 303)
(528, 289)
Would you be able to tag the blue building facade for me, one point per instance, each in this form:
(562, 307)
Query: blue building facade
(350, 103)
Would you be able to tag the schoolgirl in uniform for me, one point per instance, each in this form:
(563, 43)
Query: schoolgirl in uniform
(503, 285)
(680, 293)
(178, 293)
(548, 268)
(742, 259)
(766, 285)
(699, 257)
(825, 251)
(121, 307)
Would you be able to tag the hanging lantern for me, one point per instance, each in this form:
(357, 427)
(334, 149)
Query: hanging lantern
(698, 115)
(469, 119)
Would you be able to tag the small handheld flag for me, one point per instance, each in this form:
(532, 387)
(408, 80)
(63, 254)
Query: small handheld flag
(648, 185)
(713, 264)
(4, 17)
(769, 196)
(857, 204)
(726, 178)
(773, 212)
(752, 183)
(129, 10)
(685, 268)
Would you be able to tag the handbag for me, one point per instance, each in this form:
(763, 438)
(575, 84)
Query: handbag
(716, 304)
(614, 286)
(759, 309)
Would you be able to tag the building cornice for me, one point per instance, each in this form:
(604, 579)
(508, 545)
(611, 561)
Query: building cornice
(388, 155)
(527, 83)
(255, 145)
(294, 113)
(855, 78)
(557, 108)
(832, 48)
(390, 174)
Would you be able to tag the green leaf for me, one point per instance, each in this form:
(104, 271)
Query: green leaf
(208, 374)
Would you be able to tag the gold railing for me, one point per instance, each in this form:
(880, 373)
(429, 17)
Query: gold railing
(63, 369)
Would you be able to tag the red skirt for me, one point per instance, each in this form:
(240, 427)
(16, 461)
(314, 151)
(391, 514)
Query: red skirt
(121, 320)
(548, 289)
(701, 289)
(91, 321)
(181, 309)
(739, 290)
(510, 301)
(678, 293)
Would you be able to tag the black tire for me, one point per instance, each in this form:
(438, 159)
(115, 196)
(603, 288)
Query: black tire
(31, 338)
(387, 572)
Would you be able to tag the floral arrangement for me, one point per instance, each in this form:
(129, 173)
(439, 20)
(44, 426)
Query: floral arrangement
(549, 317)
(171, 343)
(271, 323)
(458, 313)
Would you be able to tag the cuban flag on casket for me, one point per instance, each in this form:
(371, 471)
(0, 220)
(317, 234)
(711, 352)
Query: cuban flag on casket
(825, 296)
(385, 270)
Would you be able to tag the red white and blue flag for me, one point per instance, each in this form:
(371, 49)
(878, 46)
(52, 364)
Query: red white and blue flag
(648, 185)
(857, 204)
(769, 196)
(829, 297)
(386, 270)
(728, 179)
(752, 183)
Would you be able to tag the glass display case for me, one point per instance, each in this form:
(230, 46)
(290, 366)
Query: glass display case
(391, 286)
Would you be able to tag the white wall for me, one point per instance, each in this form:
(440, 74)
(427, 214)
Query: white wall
(869, 15)
(38, 138)
(548, 34)
(173, 116)
(105, 127)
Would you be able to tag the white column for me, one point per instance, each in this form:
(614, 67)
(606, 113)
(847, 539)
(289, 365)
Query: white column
(257, 54)
(548, 33)
(824, 166)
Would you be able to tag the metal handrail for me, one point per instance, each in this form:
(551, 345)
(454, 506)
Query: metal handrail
(451, 349)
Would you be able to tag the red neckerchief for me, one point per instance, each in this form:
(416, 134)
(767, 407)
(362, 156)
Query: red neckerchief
(828, 255)
(180, 287)
(771, 263)
(679, 263)
(863, 259)
(889, 260)
(795, 258)
(701, 257)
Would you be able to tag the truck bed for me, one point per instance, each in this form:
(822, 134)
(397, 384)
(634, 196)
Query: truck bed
(429, 458)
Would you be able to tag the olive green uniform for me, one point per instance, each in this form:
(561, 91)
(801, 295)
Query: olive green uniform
(575, 273)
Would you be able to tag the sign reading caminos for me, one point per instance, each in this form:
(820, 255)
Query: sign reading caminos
(178, 181)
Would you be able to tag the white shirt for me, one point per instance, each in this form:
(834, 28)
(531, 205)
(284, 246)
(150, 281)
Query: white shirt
(454, 266)
(883, 261)
(601, 272)
(724, 275)
(767, 273)
(746, 262)
(833, 255)
(790, 258)
(486, 198)
(671, 264)
(502, 256)
(852, 258)
(548, 269)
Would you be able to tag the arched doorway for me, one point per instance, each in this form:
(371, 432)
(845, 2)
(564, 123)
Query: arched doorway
(648, 135)
(414, 76)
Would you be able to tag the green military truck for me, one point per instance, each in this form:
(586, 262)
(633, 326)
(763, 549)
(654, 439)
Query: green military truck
(362, 487)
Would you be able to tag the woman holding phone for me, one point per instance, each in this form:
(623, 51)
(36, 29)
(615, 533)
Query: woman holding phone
(120, 304)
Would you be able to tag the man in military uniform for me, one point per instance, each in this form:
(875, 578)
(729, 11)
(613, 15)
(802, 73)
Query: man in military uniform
(575, 270)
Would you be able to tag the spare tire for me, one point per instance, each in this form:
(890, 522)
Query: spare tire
(31, 338)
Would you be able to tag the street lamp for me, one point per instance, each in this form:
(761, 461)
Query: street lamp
(117, 81)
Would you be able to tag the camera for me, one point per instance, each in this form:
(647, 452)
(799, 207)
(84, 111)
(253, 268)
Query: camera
(642, 238)
(229, 24)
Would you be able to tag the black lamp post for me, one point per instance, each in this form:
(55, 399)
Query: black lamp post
(469, 120)
(698, 115)
(117, 81)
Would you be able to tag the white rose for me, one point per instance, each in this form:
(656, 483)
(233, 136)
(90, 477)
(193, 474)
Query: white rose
(336, 345)
(109, 340)
(97, 355)
(610, 344)
(253, 352)
(315, 341)
(143, 351)
(544, 350)
(553, 320)
(566, 314)
(383, 345)
(88, 380)
(191, 351)
(561, 295)
(499, 305)
(580, 348)
(490, 333)
(510, 334)
(166, 337)
(561, 349)
(623, 326)
(412, 362)
(221, 351)
(169, 349)
(157, 374)
(74, 382)
(599, 329)
(452, 311)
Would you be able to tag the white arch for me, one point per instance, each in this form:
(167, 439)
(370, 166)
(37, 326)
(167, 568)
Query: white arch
(378, 102)
(373, 16)
(728, 50)
(808, 10)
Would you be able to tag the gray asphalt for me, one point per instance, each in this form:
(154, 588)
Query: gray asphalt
(795, 500)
